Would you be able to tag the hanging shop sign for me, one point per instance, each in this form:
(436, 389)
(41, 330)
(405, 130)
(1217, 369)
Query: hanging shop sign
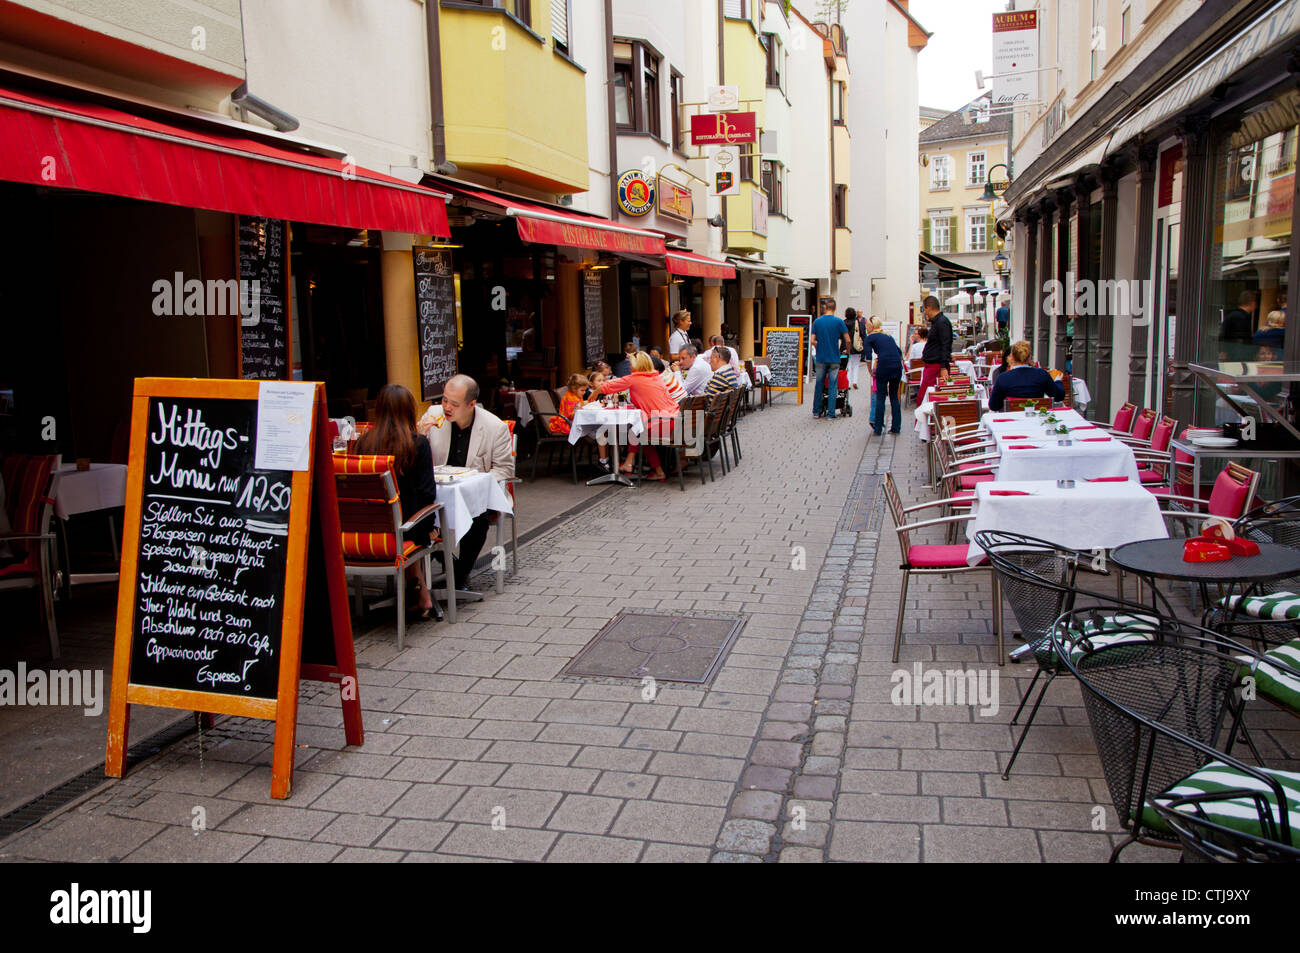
(723, 98)
(758, 212)
(715, 129)
(674, 199)
(724, 171)
(1015, 55)
(636, 192)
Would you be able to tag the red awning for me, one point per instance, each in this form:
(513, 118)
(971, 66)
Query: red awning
(537, 223)
(49, 141)
(700, 266)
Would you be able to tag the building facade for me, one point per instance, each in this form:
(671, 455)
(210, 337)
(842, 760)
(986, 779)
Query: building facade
(1160, 164)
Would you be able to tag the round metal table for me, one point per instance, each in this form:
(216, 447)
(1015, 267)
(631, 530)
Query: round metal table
(1163, 559)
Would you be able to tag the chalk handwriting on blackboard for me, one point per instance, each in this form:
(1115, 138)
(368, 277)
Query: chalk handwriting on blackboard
(435, 296)
(264, 324)
(783, 351)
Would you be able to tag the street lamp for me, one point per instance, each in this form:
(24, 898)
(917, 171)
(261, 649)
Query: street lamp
(1000, 265)
(989, 195)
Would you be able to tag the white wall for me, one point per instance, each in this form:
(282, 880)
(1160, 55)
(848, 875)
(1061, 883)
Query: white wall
(808, 180)
(587, 45)
(701, 19)
(355, 75)
(777, 119)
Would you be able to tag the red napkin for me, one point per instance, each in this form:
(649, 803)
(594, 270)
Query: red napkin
(1119, 479)
(1085, 427)
(1094, 439)
(1003, 420)
(1008, 492)
(1016, 436)
(1022, 446)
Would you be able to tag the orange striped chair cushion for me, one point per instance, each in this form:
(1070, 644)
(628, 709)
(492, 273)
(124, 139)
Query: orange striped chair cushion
(361, 463)
(374, 547)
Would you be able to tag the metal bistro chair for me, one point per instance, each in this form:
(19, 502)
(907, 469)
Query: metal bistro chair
(1233, 492)
(499, 519)
(542, 405)
(713, 421)
(930, 560)
(31, 484)
(1269, 614)
(729, 433)
(374, 534)
(1039, 579)
(1157, 709)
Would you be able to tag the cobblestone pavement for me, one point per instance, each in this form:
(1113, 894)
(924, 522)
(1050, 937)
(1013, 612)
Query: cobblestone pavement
(477, 748)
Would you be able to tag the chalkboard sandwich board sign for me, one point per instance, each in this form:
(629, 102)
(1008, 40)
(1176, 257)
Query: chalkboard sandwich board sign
(231, 544)
(783, 347)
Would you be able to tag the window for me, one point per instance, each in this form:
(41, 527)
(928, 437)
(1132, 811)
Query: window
(736, 9)
(747, 165)
(520, 9)
(637, 102)
(650, 92)
(774, 186)
(841, 211)
(678, 95)
(622, 95)
(1125, 25)
(837, 102)
(560, 25)
(940, 169)
(775, 60)
(1097, 40)
(940, 231)
(977, 229)
(975, 164)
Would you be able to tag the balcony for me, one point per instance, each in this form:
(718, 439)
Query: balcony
(840, 141)
(513, 107)
(743, 234)
(843, 249)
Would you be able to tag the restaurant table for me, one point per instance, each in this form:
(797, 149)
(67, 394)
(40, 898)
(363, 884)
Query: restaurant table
(1090, 517)
(923, 421)
(101, 487)
(1163, 559)
(605, 421)
(468, 496)
(1028, 452)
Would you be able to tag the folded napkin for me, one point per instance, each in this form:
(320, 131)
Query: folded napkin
(1118, 479)
(1008, 492)
(1022, 446)
(1016, 436)
(1003, 420)
(1094, 439)
(1085, 427)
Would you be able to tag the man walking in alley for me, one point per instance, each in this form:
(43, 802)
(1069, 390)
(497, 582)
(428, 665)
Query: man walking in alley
(938, 347)
(829, 335)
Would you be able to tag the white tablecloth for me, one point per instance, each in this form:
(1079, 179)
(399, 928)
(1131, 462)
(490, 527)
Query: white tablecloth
(1081, 460)
(967, 368)
(465, 499)
(1089, 516)
(588, 421)
(762, 372)
(924, 419)
(102, 487)
(523, 413)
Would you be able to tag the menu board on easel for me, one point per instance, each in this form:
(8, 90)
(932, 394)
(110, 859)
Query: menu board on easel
(435, 315)
(593, 317)
(231, 519)
(263, 257)
(783, 347)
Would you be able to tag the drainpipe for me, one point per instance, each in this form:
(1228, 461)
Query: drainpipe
(436, 114)
(609, 107)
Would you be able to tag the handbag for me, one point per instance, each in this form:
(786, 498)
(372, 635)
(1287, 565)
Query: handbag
(857, 336)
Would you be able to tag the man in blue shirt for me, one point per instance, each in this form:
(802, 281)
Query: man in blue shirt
(888, 373)
(1003, 316)
(829, 335)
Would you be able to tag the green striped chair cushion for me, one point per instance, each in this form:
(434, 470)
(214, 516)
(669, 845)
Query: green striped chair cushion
(1106, 628)
(1280, 684)
(1238, 813)
(1277, 606)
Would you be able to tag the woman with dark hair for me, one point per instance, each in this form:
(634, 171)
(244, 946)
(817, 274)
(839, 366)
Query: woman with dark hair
(393, 434)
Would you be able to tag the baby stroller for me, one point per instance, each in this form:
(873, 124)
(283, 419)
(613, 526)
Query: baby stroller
(842, 406)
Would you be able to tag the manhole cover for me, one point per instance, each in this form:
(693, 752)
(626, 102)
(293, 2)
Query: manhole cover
(670, 648)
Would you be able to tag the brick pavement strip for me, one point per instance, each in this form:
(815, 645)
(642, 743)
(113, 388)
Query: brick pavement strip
(478, 749)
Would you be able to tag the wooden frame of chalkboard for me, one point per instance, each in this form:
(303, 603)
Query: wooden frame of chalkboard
(164, 598)
(286, 298)
(798, 333)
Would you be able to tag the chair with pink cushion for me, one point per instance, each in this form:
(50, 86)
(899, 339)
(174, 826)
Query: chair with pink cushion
(1154, 462)
(933, 559)
(1231, 498)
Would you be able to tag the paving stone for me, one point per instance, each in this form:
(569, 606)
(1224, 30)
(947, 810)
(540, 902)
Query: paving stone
(275, 850)
(693, 791)
(623, 784)
(512, 843)
(356, 830)
(674, 823)
(979, 845)
(806, 834)
(746, 835)
(762, 778)
(418, 835)
(584, 814)
(181, 844)
(763, 805)
(281, 821)
(878, 843)
(513, 807)
(585, 849)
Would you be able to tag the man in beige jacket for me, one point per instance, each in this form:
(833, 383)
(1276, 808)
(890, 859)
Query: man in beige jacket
(470, 436)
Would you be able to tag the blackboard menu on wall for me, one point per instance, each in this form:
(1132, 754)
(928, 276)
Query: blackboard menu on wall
(263, 308)
(435, 309)
(784, 349)
(593, 317)
(213, 544)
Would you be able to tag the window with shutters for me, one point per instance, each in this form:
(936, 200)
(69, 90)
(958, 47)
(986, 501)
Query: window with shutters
(736, 9)
(977, 229)
(560, 26)
(941, 231)
(975, 168)
(940, 169)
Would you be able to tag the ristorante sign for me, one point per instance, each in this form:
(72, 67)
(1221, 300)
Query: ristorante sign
(583, 236)
(716, 129)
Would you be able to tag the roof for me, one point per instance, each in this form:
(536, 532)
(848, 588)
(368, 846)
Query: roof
(952, 127)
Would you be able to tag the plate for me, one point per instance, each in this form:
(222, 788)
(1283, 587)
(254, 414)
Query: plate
(1214, 442)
